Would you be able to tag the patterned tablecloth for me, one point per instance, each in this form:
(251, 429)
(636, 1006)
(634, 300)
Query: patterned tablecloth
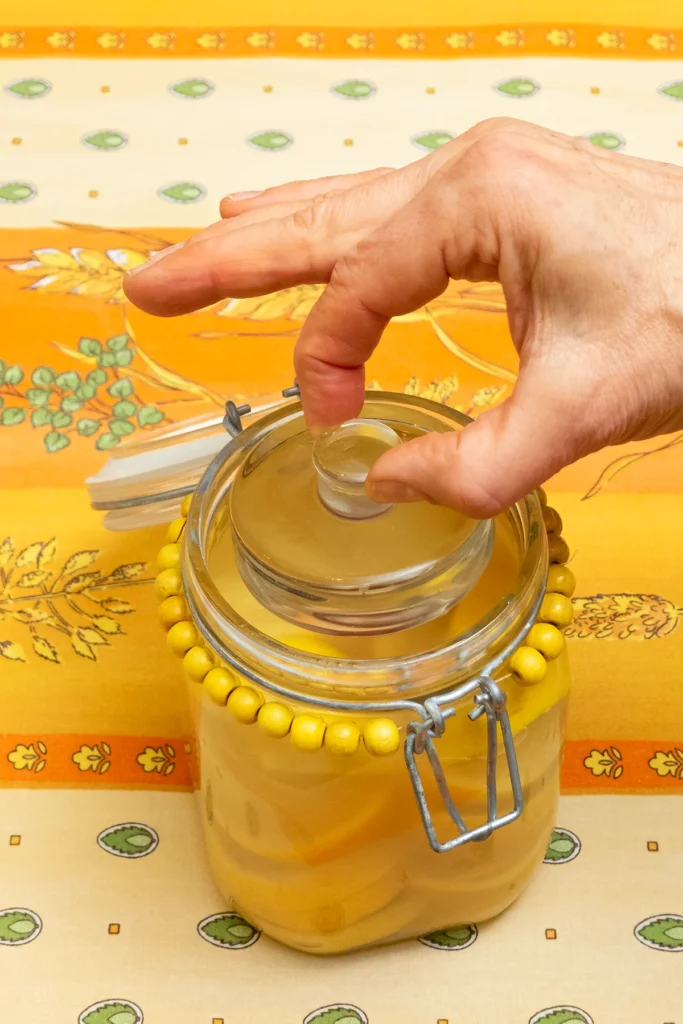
(117, 140)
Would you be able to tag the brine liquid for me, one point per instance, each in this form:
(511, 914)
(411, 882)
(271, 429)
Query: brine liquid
(328, 854)
(495, 587)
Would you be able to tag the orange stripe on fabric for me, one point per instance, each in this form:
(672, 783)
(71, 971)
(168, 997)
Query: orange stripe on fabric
(590, 766)
(506, 39)
(91, 761)
(610, 766)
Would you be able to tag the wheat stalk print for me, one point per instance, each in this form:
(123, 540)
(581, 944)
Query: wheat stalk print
(623, 617)
(76, 605)
(623, 462)
(86, 271)
(296, 303)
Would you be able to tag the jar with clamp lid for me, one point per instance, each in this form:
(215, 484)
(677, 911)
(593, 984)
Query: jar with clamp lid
(378, 692)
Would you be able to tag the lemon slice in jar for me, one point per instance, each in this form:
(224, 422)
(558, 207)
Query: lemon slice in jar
(320, 901)
(393, 922)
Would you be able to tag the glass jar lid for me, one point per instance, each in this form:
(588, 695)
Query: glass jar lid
(317, 551)
(146, 477)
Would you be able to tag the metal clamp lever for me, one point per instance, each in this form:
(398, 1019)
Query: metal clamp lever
(232, 421)
(489, 699)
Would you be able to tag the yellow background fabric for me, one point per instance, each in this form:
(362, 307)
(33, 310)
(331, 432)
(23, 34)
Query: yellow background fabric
(91, 699)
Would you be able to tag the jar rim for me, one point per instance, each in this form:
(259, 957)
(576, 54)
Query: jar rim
(299, 672)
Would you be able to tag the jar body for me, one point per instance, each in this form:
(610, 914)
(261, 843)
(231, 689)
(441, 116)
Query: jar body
(328, 854)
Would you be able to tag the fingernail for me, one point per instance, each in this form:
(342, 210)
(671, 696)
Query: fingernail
(239, 197)
(155, 258)
(384, 492)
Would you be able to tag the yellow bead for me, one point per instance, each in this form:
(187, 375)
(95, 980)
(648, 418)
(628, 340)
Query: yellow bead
(185, 505)
(197, 662)
(381, 736)
(168, 583)
(528, 665)
(172, 610)
(556, 608)
(181, 637)
(169, 557)
(275, 719)
(558, 549)
(552, 520)
(244, 703)
(542, 497)
(175, 530)
(342, 738)
(308, 733)
(547, 639)
(561, 580)
(219, 683)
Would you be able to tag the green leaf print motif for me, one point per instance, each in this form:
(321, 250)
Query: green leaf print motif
(148, 415)
(105, 140)
(674, 90)
(518, 88)
(561, 1015)
(183, 192)
(91, 347)
(191, 88)
(54, 441)
(128, 840)
(12, 417)
(271, 141)
(607, 140)
(28, 88)
(431, 140)
(459, 937)
(663, 932)
(338, 1013)
(228, 930)
(355, 89)
(563, 847)
(17, 192)
(112, 1011)
(19, 926)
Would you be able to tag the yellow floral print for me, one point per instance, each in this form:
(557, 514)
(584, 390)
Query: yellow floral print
(61, 40)
(27, 758)
(411, 41)
(74, 604)
(662, 41)
(211, 40)
(513, 37)
(670, 763)
(561, 37)
(265, 40)
(92, 759)
(361, 41)
(160, 760)
(11, 40)
(461, 40)
(605, 762)
(112, 40)
(623, 617)
(311, 40)
(161, 40)
(612, 40)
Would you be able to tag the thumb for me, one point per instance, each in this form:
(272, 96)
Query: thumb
(488, 465)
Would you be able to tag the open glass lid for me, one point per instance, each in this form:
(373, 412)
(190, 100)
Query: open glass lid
(145, 479)
(314, 549)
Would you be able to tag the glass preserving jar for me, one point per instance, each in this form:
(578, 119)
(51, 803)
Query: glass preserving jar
(378, 692)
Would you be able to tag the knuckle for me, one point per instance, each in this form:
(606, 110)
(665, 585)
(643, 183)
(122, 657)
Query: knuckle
(497, 140)
(313, 217)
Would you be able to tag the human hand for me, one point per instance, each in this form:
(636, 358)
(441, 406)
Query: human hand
(587, 245)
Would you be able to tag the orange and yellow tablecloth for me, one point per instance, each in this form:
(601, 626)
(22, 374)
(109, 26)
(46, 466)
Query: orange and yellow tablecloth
(118, 136)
